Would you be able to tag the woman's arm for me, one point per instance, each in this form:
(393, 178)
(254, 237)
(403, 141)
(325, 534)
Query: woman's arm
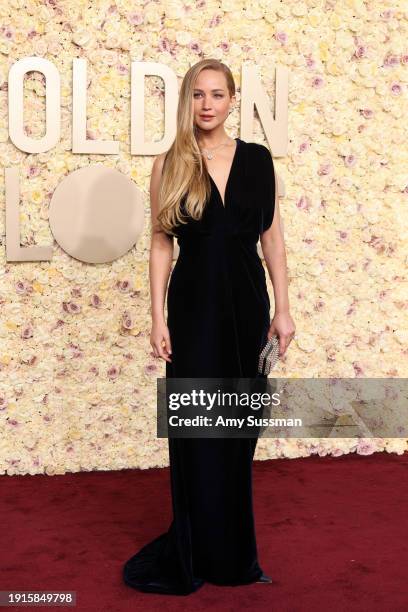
(160, 262)
(273, 248)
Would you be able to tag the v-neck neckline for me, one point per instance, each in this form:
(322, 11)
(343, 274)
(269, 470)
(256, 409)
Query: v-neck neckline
(223, 202)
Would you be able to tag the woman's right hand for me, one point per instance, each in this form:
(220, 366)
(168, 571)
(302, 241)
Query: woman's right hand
(160, 340)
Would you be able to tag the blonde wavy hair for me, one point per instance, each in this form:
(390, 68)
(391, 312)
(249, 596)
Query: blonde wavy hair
(184, 172)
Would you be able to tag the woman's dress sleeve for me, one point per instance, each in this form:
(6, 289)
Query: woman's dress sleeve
(268, 187)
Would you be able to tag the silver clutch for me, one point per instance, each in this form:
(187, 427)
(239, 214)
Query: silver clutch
(269, 355)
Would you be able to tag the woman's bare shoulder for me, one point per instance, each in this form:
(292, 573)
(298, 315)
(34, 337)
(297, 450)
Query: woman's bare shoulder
(159, 161)
(157, 168)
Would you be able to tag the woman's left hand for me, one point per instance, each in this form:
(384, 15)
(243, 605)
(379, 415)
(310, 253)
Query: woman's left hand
(283, 326)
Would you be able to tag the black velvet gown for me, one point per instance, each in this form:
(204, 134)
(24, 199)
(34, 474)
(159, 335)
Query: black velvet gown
(218, 314)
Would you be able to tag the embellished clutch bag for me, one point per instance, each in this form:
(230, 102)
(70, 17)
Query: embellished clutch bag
(269, 355)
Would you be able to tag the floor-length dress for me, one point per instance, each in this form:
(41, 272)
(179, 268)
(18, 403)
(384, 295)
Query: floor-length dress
(218, 314)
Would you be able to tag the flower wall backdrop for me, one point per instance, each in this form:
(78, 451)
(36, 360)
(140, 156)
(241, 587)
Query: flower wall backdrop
(77, 375)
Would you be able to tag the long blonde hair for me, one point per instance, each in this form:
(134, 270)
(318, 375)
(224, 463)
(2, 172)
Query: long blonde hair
(184, 173)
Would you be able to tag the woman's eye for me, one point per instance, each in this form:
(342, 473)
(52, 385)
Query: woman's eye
(216, 95)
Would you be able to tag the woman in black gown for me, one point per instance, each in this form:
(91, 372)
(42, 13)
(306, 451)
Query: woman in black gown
(217, 323)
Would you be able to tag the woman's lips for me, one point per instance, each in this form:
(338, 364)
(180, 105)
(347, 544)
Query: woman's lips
(207, 117)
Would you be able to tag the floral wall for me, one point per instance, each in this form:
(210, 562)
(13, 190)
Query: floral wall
(77, 374)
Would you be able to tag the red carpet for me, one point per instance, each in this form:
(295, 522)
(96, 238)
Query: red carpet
(332, 533)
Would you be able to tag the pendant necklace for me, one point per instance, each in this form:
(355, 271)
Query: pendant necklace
(208, 152)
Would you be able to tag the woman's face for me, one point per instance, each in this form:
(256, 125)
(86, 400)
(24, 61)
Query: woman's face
(211, 99)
